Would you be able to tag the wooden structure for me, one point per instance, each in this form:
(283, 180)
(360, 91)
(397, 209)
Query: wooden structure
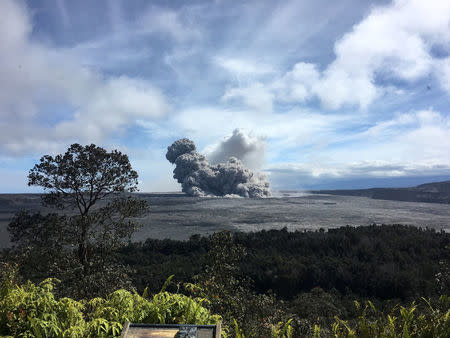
(131, 330)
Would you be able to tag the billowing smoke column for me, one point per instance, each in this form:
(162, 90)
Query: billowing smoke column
(199, 178)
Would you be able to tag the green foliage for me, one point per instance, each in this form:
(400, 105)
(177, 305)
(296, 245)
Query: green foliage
(282, 330)
(82, 175)
(91, 185)
(221, 282)
(37, 230)
(401, 322)
(237, 331)
(316, 277)
(230, 293)
(30, 310)
(316, 331)
(163, 308)
(443, 276)
(382, 262)
(278, 330)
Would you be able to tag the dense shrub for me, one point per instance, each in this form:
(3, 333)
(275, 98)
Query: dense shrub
(411, 321)
(28, 310)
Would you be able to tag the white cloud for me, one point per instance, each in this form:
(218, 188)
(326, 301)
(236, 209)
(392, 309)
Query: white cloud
(337, 87)
(37, 82)
(416, 143)
(247, 147)
(49, 97)
(255, 96)
(421, 137)
(166, 21)
(128, 40)
(309, 145)
(242, 67)
(394, 42)
(287, 134)
(113, 104)
(293, 128)
(363, 174)
(297, 84)
(442, 71)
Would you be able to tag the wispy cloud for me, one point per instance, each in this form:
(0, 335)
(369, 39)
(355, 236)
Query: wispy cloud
(61, 4)
(242, 67)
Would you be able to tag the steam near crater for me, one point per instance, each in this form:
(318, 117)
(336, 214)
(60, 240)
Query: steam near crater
(200, 178)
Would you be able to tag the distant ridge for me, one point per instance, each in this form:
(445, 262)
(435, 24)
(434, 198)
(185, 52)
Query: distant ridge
(436, 192)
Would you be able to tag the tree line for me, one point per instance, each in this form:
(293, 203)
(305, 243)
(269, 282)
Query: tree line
(388, 261)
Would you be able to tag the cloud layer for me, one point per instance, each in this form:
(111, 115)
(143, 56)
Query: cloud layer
(315, 91)
(41, 83)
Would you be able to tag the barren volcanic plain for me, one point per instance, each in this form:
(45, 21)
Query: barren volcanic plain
(177, 216)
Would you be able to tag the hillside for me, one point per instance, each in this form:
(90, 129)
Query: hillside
(436, 192)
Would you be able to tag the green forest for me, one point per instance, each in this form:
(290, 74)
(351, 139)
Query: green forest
(363, 281)
(75, 272)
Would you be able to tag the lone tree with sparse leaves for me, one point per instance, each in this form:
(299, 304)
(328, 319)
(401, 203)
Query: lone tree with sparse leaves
(93, 187)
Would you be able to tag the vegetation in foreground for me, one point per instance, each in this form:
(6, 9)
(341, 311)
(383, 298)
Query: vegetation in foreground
(29, 310)
(223, 286)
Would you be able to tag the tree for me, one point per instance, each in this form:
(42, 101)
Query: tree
(39, 242)
(230, 292)
(82, 176)
(92, 186)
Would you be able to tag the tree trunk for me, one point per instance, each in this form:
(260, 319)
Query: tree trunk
(83, 246)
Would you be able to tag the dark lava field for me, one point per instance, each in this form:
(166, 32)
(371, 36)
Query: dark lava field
(177, 216)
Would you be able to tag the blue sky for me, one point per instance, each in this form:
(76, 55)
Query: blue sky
(315, 94)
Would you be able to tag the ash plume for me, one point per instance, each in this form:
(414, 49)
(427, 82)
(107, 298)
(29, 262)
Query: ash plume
(249, 149)
(200, 178)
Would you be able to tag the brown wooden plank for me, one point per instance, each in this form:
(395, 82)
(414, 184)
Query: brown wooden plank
(131, 330)
(151, 333)
(218, 329)
(125, 330)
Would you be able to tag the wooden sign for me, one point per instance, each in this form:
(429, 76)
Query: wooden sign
(131, 330)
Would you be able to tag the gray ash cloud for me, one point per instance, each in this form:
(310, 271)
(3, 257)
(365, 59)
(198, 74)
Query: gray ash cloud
(200, 178)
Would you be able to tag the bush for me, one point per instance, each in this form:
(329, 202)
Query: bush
(29, 310)
(400, 322)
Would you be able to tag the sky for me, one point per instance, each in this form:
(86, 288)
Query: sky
(314, 94)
